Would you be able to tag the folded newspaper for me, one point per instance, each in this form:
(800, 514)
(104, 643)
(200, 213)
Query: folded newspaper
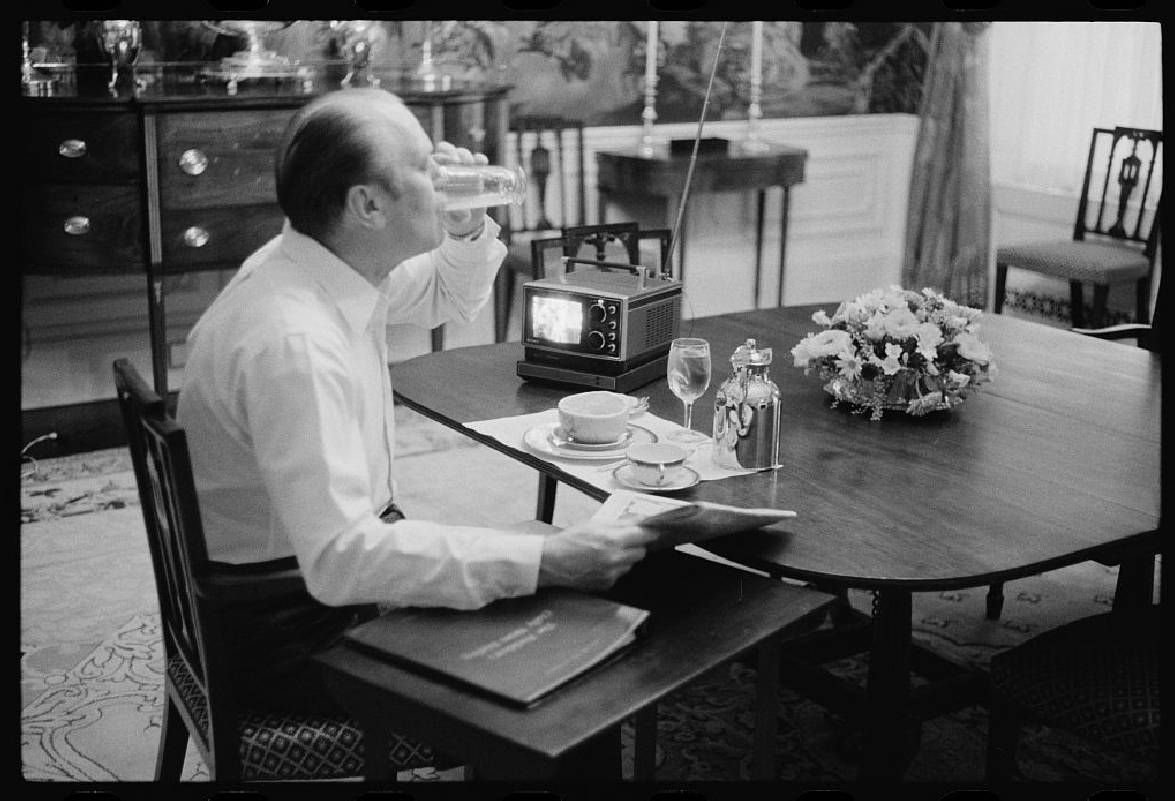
(684, 522)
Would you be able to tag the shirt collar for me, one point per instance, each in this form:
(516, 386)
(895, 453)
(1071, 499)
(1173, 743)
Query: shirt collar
(357, 300)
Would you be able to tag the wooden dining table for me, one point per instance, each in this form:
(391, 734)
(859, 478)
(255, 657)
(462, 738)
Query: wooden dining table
(1055, 462)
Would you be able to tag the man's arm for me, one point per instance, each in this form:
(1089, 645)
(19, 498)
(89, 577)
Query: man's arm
(450, 283)
(299, 397)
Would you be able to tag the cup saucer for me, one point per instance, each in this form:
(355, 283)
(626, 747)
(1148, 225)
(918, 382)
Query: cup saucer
(560, 439)
(685, 478)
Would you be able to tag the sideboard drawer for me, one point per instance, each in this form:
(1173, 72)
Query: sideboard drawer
(65, 147)
(82, 228)
(219, 158)
(221, 236)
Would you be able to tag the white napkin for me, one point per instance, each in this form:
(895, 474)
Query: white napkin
(511, 430)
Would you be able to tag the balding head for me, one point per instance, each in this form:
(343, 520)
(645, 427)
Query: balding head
(336, 141)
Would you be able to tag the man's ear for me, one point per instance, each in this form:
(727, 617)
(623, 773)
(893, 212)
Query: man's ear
(367, 206)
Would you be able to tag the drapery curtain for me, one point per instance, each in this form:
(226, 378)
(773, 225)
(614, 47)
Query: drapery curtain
(948, 227)
(1052, 83)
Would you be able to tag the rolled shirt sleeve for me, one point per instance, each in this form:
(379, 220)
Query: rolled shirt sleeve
(450, 283)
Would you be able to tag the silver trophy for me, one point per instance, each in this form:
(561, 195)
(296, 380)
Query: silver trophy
(121, 40)
(255, 61)
(359, 37)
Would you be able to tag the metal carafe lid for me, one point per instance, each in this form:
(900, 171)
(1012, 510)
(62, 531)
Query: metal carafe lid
(750, 354)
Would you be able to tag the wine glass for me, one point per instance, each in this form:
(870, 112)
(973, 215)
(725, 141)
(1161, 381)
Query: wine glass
(688, 372)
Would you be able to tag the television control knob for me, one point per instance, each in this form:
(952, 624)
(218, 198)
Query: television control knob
(612, 324)
(611, 348)
(612, 310)
(596, 312)
(596, 340)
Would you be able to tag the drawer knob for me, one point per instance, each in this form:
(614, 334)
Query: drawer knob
(76, 226)
(72, 149)
(196, 237)
(193, 162)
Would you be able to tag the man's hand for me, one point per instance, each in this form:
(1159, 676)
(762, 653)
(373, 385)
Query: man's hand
(592, 556)
(463, 222)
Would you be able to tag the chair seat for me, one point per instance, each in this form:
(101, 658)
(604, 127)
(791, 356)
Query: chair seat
(300, 746)
(1097, 677)
(1097, 262)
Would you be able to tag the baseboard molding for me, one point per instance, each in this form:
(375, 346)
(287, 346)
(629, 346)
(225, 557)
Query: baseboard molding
(80, 427)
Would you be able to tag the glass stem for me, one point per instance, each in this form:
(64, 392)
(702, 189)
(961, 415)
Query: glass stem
(687, 414)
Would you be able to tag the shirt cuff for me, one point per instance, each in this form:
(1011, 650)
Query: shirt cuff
(476, 234)
(526, 551)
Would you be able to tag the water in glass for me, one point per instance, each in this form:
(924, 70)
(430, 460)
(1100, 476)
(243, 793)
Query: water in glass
(688, 373)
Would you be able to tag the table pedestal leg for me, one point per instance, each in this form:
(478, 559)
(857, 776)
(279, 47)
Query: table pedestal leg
(784, 213)
(766, 711)
(760, 204)
(891, 735)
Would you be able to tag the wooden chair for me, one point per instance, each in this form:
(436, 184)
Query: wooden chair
(1102, 253)
(1148, 337)
(236, 742)
(536, 217)
(1097, 677)
(618, 242)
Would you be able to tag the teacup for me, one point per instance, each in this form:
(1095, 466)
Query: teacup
(656, 464)
(594, 417)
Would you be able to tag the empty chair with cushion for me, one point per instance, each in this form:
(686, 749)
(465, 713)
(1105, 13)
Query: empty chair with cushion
(1114, 237)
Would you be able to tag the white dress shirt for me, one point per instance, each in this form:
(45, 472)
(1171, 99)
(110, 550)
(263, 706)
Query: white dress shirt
(287, 406)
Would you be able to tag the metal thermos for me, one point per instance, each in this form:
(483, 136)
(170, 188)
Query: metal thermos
(746, 412)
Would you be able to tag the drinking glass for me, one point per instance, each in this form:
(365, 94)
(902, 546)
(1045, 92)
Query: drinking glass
(688, 372)
(476, 186)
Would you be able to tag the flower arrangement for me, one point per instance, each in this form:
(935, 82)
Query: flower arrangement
(898, 349)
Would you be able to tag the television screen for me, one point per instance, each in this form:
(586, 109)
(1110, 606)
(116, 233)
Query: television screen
(557, 320)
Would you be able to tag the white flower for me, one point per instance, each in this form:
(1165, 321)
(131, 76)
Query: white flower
(960, 380)
(875, 328)
(800, 353)
(929, 336)
(890, 364)
(850, 364)
(821, 318)
(971, 348)
(827, 343)
(901, 323)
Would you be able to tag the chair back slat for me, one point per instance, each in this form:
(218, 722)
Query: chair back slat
(180, 549)
(179, 555)
(555, 175)
(596, 239)
(1131, 158)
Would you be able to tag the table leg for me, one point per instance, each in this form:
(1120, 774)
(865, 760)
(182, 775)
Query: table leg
(760, 204)
(645, 758)
(766, 711)
(596, 760)
(375, 751)
(784, 213)
(545, 510)
(891, 735)
(157, 331)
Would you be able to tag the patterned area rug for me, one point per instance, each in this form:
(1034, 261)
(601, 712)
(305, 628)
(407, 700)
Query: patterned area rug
(90, 649)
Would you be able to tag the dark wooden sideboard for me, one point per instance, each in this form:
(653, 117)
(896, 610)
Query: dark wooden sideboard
(180, 178)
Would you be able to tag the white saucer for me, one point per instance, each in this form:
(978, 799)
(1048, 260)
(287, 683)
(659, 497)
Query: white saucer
(559, 439)
(624, 477)
(539, 439)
